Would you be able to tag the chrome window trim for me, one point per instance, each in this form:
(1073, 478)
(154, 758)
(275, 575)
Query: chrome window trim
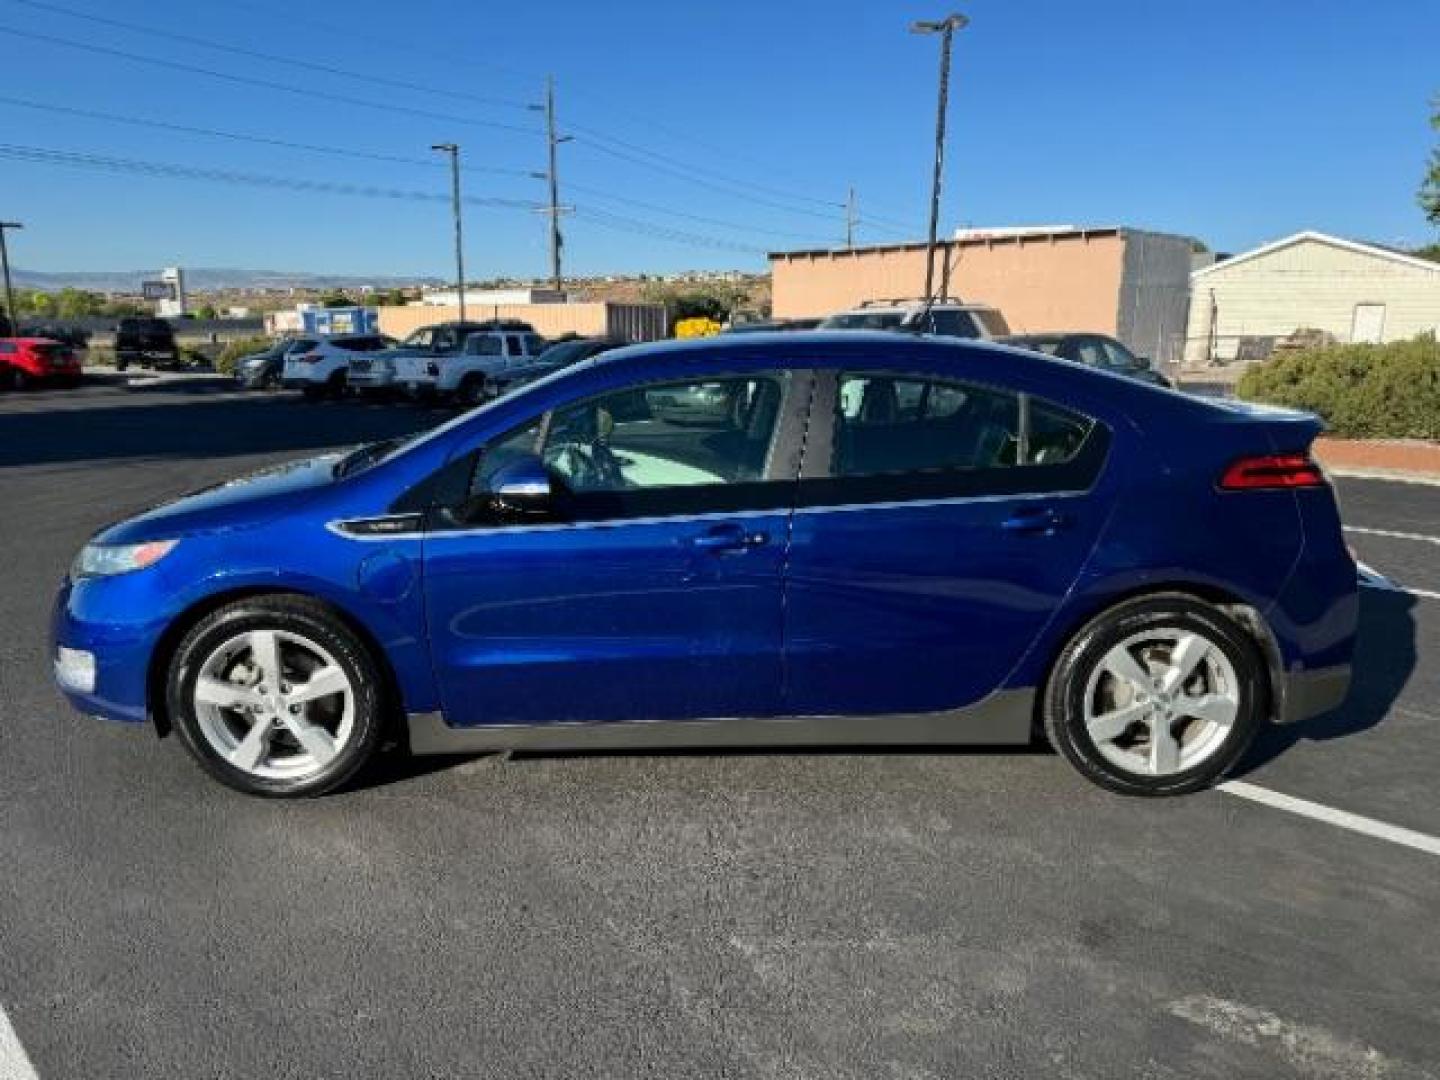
(338, 526)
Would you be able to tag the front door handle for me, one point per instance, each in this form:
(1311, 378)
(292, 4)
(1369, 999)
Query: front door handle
(728, 538)
(1043, 522)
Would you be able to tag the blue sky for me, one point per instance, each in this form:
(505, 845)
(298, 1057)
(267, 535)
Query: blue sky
(1236, 122)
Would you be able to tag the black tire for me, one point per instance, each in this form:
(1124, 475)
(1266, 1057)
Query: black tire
(312, 394)
(337, 386)
(298, 615)
(1063, 706)
(21, 380)
(471, 391)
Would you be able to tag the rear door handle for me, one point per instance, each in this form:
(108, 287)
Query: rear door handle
(1045, 522)
(724, 538)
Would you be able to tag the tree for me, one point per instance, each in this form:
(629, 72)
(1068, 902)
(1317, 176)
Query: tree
(205, 311)
(78, 304)
(336, 300)
(1430, 187)
(1429, 251)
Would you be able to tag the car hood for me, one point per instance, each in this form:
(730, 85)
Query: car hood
(244, 502)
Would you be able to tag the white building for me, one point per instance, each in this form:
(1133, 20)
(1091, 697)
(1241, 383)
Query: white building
(1352, 291)
(479, 298)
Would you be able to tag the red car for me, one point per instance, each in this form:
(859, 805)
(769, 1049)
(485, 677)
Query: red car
(33, 361)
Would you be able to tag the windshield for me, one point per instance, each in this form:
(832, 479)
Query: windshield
(564, 352)
(419, 339)
(363, 457)
(864, 320)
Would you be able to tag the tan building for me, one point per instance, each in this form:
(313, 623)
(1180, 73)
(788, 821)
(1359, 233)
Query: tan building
(1125, 282)
(625, 322)
(1352, 291)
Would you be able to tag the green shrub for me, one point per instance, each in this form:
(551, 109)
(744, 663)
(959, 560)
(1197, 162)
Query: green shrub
(1362, 391)
(234, 350)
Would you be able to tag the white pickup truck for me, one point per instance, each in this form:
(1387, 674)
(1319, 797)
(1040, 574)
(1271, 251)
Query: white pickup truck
(465, 374)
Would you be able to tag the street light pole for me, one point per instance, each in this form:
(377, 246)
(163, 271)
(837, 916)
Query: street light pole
(453, 149)
(946, 28)
(11, 315)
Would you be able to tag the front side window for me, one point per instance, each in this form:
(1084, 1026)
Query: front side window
(699, 446)
(1117, 357)
(886, 425)
(712, 431)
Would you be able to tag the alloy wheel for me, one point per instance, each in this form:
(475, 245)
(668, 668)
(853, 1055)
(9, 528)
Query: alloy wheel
(274, 704)
(1161, 702)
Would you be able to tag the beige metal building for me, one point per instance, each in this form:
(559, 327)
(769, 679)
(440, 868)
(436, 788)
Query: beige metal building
(1127, 282)
(626, 322)
(1353, 291)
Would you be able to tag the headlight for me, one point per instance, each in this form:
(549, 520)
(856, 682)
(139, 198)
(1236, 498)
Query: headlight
(103, 560)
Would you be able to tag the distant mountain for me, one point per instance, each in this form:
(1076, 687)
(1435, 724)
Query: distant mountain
(205, 279)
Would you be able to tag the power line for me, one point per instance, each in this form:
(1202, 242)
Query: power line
(82, 160)
(261, 140)
(690, 173)
(255, 54)
(366, 155)
(670, 212)
(172, 170)
(622, 223)
(267, 84)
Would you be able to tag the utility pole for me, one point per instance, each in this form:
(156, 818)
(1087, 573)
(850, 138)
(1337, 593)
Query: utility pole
(552, 177)
(10, 312)
(453, 149)
(946, 28)
(850, 221)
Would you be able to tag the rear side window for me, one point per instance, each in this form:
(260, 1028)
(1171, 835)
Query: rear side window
(887, 425)
(959, 324)
(483, 345)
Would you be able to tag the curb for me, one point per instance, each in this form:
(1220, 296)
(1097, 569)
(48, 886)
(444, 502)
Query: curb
(1398, 476)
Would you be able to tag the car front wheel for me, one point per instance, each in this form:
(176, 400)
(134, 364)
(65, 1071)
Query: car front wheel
(1159, 696)
(274, 696)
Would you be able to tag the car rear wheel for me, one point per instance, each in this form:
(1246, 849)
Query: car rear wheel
(471, 391)
(274, 696)
(1159, 696)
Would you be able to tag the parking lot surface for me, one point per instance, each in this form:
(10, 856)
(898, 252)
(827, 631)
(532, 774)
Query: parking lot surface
(806, 914)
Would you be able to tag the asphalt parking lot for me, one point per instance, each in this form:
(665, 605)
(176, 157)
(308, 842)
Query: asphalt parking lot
(808, 914)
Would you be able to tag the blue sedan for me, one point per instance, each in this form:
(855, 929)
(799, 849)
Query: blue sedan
(859, 539)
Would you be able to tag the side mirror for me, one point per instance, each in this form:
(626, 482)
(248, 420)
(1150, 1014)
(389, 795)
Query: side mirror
(1142, 363)
(521, 489)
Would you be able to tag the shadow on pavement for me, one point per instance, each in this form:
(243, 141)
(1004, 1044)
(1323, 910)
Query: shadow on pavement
(193, 427)
(1385, 658)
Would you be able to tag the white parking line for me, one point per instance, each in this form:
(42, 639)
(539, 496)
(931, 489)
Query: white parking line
(1372, 578)
(1393, 534)
(14, 1063)
(1342, 818)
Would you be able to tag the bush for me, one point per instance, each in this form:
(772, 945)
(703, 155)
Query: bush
(1362, 391)
(234, 350)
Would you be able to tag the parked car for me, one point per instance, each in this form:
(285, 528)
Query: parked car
(265, 370)
(465, 374)
(557, 355)
(380, 373)
(74, 337)
(563, 568)
(943, 318)
(27, 362)
(322, 370)
(147, 341)
(761, 326)
(1094, 350)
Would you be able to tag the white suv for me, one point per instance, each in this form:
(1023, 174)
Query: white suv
(466, 374)
(323, 368)
(944, 318)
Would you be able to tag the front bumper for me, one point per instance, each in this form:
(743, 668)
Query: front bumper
(101, 662)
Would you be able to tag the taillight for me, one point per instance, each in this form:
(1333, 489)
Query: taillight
(1269, 471)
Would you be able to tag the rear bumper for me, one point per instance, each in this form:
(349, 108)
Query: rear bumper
(1306, 694)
